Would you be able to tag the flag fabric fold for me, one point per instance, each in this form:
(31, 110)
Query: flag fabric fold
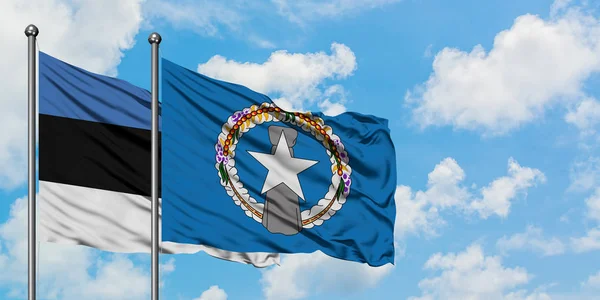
(94, 165)
(242, 174)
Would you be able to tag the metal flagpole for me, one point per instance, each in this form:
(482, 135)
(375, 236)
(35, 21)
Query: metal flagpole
(154, 40)
(31, 32)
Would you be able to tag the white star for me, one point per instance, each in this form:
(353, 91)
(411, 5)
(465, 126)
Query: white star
(283, 168)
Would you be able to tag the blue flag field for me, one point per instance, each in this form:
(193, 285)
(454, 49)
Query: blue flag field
(241, 174)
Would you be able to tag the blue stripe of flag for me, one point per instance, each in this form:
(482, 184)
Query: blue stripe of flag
(72, 92)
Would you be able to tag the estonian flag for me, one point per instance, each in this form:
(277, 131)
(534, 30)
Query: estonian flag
(94, 164)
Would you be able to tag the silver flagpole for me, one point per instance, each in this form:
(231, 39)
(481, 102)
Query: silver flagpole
(31, 32)
(154, 40)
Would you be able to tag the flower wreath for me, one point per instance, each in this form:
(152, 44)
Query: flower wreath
(242, 121)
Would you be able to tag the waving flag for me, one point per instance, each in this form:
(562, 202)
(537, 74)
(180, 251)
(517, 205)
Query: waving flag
(242, 174)
(94, 164)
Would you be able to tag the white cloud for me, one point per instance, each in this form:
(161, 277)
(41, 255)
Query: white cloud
(586, 116)
(213, 293)
(585, 174)
(497, 91)
(302, 11)
(302, 275)
(296, 79)
(168, 266)
(118, 278)
(590, 242)
(415, 214)
(73, 31)
(559, 6)
(496, 196)
(420, 211)
(532, 239)
(204, 17)
(443, 185)
(471, 275)
(428, 51)
(593, 206)
(64, 271)
(165, 269)
(334, 100)
(524, 295)
(261, 42)
(593, 282)
(331, 109)
(214, 18)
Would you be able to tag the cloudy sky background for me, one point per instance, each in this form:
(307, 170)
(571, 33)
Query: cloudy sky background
(493, 110)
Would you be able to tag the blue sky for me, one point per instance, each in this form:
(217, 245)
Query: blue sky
(492, 108)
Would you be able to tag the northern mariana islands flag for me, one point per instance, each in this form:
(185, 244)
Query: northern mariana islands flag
(242, 174)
